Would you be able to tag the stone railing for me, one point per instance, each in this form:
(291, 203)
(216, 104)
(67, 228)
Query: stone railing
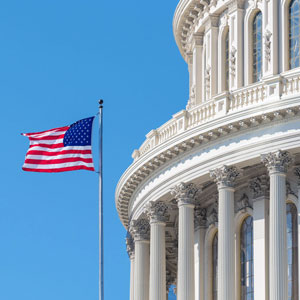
(221, 105)
(291, 84)
(247, 96)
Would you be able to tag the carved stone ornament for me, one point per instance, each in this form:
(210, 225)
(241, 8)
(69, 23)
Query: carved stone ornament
(267, 37)
(259, 186)
(224, 176)
(212, 214)
(207, 81)
(185, 193)
(232, 59)
(297, 173)
(289, 190)
(130, 245)
(243, 203)
(158, 211)
(200, 218)
(278, 161)
(140, 229)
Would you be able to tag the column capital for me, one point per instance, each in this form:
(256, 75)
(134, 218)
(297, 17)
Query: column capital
(198, 39)
(185, 193)
(224, 176)
(214, 20)
(158, 212)
(278, 161)
(130, 245)
(259, 186)
(200, 218)
(140, 230)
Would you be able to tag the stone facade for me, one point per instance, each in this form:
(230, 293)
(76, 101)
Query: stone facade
(225, 166)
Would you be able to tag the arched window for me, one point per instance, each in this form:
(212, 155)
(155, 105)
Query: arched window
(294, 33)
(292, 249)
(257, 47)
(215, 267)
(226, 69)
(247, 275)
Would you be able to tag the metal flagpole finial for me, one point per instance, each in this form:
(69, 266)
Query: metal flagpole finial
(101, 103)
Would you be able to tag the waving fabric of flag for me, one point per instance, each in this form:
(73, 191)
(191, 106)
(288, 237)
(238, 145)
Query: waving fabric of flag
(61, 149)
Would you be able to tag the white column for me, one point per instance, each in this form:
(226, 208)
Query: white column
(225, 178)
(158, 215)
(185, 196)
(197, 68)
(200, 230)
(236, 44)
(297, 173)
(140, 230)
(277, 164)
(213, 55)
(259, 188)
(130, 251)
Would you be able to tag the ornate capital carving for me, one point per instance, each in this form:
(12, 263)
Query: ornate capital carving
(259, 186)
(158, 211)
(185, 193)
(130, 245)
(243, 203)
(278, 161)
(200, 218)
(140, 229)
(224, 176)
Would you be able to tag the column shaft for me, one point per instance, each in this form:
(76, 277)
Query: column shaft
(259, 249)
(157, 261)
(199, 263)
(278, 247)
(186, 281)
(141, 270)
(226, 286)
(132, 278)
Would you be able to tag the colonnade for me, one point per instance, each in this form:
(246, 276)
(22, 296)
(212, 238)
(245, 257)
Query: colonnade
(147, 246)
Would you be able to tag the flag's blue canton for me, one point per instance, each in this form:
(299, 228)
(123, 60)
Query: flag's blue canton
(80, 133)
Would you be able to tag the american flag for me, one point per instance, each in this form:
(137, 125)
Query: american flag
(61, 149)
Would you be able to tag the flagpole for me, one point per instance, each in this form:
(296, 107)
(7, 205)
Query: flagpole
(101, 269)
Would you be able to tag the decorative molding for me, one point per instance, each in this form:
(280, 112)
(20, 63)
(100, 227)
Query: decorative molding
(224, 176)
(243, 203)
(278, 161)
(259, 186)
(128, 186)
(267, 37)
(212, 213)
(130, 245)
(185, 193)
(297, 173)
(158, 212)
(289, 190)
(200, 219)
(140, 229)
(232, 59)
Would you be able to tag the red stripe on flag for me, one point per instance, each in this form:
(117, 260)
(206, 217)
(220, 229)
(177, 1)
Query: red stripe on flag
(57, 161)
(62, 152)
(59, 169)
(51, 130)
(50, 146)
(47, 137)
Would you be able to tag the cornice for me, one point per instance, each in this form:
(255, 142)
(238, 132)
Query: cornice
(198, 136)
(189, 13)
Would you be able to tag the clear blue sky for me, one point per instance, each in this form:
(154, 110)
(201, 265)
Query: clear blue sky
(57, 59)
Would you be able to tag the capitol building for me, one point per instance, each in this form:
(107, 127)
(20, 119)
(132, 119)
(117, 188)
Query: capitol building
(210, 201)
